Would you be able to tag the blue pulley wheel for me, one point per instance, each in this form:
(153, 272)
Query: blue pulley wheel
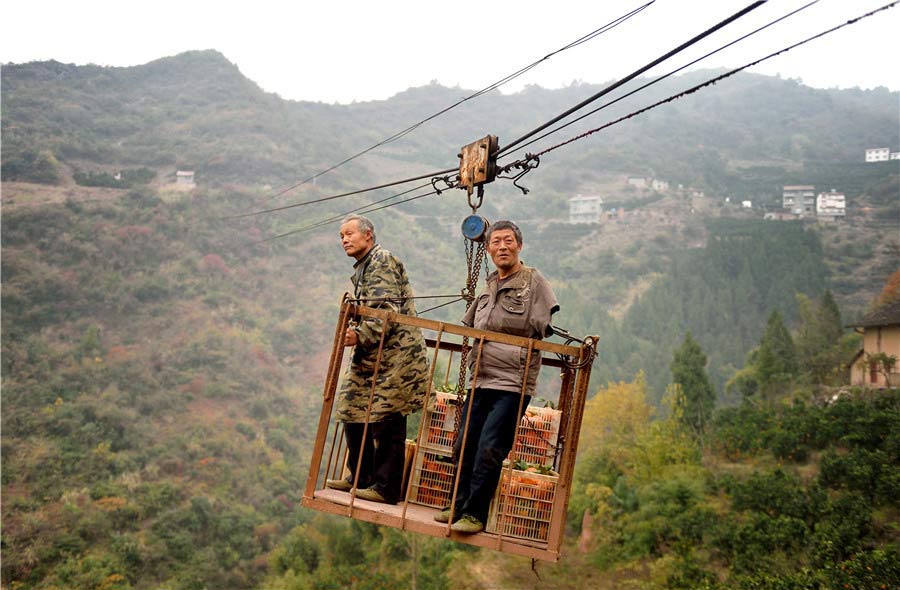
(474, 227)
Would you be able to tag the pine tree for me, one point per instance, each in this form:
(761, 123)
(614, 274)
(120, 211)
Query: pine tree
(776, 359)
(818, 341)
(698, 396)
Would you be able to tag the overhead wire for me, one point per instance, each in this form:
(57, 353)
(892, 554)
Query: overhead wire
(632, 75)
(347, 194)
(363, 209)
(633, 113)
(716, 79)
(665, 76)
(585, 38)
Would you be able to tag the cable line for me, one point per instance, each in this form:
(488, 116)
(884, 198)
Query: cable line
(356, 192)
(663, 77)
(595, 33)
(507, 148)
(363, 209)
(633, 75)
(715, 80)
(340, 216)
(533, 157)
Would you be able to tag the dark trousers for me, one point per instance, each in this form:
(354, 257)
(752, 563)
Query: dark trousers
(492, 429)
(383, 454)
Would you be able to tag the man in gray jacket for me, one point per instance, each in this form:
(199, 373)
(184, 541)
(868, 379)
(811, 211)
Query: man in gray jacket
(518, 300)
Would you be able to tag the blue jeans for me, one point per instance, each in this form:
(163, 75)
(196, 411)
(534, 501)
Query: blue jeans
(491, 431)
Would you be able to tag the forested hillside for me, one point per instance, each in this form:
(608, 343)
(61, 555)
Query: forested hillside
(162, 362)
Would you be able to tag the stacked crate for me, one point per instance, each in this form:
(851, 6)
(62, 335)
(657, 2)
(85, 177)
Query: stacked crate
(431, 479)
(538, 435)
(523, 505)
(440, 422)
(431, 482)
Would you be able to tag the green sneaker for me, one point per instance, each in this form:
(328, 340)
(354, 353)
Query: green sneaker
(443, 516)
(372, 495)
(468, 525)
(341, 485)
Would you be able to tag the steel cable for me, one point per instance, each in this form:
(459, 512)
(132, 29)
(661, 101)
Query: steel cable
(632, 75)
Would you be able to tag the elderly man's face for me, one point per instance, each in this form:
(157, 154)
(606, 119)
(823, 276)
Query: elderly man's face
(504, 249)
(356, 243)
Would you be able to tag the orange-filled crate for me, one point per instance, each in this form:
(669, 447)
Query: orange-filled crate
(440, 422)
(538, 434)
(431, 482)
(523, 505)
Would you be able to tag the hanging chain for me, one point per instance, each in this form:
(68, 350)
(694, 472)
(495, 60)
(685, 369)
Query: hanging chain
(474, 259)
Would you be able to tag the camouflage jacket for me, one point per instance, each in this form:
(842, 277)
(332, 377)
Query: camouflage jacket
(522, 306)
(402, 378)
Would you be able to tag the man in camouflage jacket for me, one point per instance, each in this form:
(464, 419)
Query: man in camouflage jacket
(380, 281)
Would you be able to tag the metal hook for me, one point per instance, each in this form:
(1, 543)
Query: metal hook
(480, 198)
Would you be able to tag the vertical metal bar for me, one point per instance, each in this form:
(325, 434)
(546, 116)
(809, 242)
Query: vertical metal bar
(465, 433)
(437, 349)
(385, 326)
(336, 445)
(565, 400)
(447, 372)
(501, 505)
(331, 378)
(573, 427)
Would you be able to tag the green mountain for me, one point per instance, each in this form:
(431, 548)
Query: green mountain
(161, 362)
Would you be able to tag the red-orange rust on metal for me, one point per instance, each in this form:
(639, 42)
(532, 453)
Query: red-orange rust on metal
(411, 516)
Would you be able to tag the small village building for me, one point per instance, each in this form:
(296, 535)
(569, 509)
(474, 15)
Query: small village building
(585, 209)
(878, 154)
(799, 199)
(637, 182)
(881, 334)
(659, 185)
(779, 215)
(895, 155)
(184, 178)
(831, 206)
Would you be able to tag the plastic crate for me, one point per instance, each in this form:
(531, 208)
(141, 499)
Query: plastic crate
(440, 422)
(538, 435)
(523, 505)
(431, 480)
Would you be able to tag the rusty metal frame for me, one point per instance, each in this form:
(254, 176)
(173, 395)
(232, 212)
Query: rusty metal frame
(413, 517)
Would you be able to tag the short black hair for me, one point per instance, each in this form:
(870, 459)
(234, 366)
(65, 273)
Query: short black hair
(504, 225)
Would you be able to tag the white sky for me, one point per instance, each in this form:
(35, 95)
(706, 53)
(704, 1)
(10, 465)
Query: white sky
(356, 50)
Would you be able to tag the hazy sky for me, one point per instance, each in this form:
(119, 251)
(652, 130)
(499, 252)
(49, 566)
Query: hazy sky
(341, 51)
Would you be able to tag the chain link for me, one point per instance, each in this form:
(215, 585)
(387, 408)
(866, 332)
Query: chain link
(474, 259)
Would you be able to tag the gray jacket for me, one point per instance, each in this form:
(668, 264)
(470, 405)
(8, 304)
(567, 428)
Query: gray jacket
(522, 306)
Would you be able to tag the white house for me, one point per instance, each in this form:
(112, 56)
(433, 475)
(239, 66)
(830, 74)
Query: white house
(585, 209)
(184, 177)
(659, 185)
(637, 181)
(878, 154)
(895, 155)
(831, 206)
